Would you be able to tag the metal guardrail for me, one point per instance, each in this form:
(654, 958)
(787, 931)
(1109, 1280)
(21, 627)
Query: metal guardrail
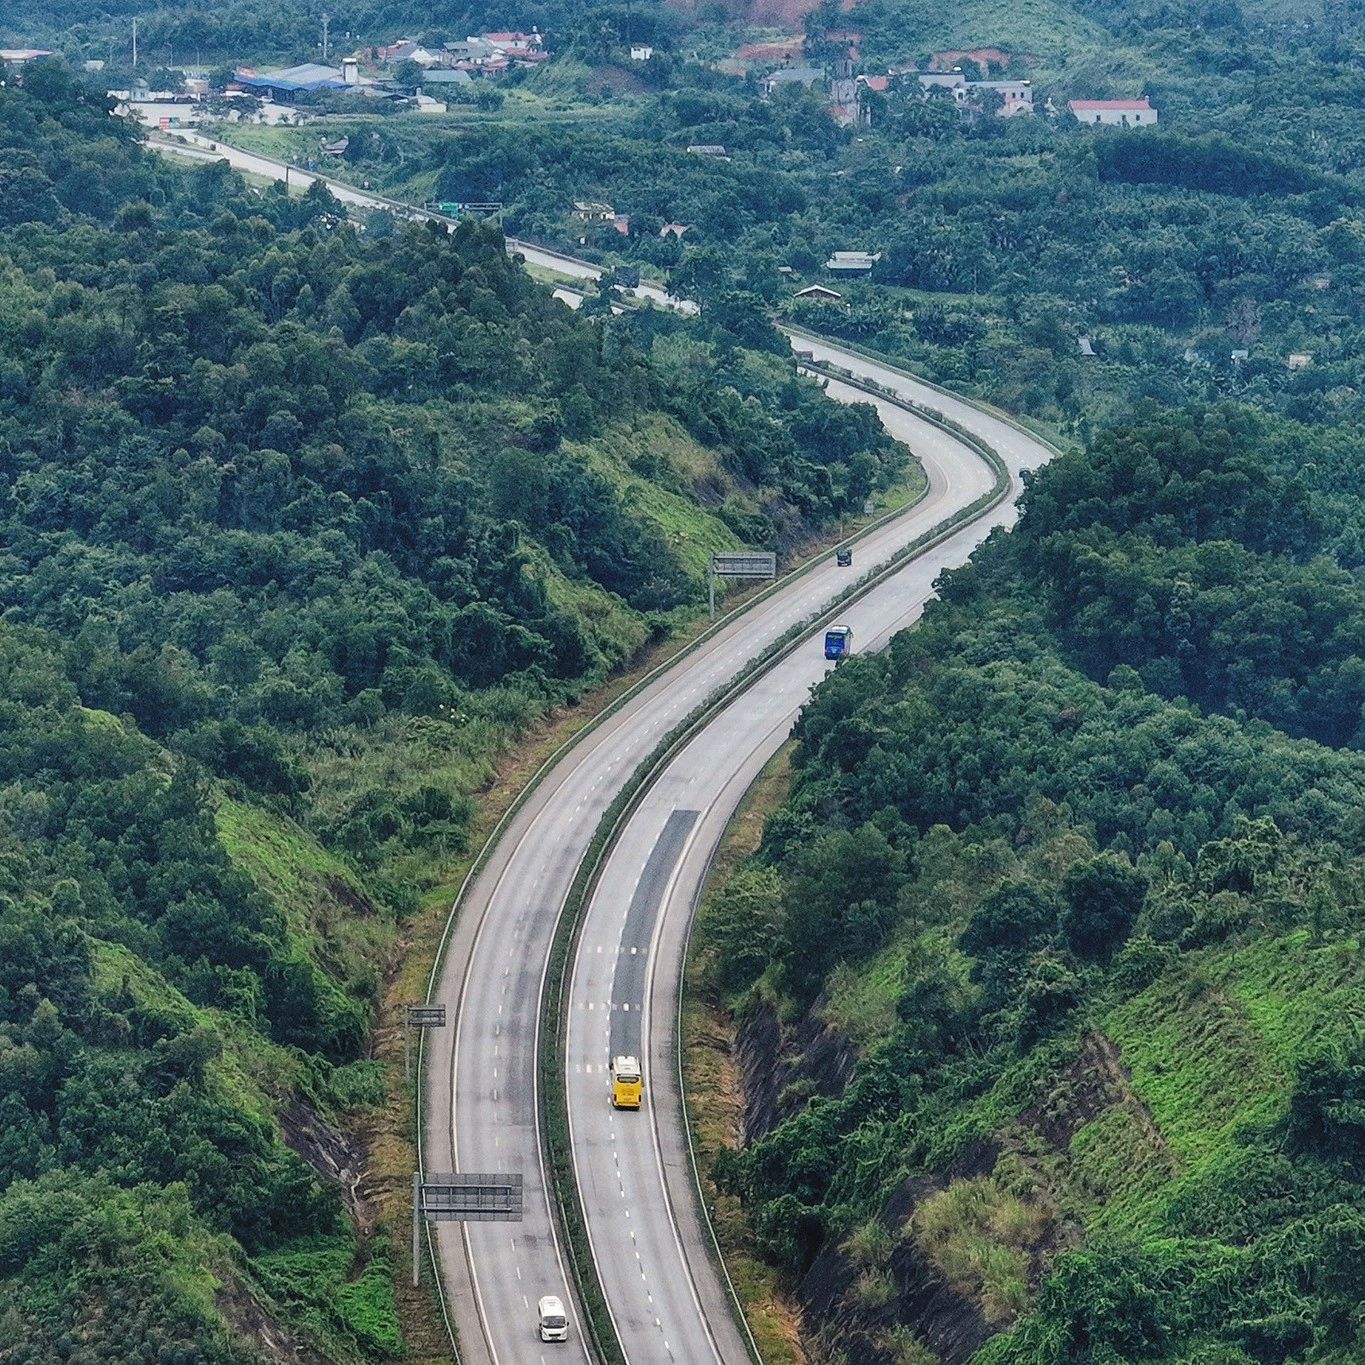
(638, 784)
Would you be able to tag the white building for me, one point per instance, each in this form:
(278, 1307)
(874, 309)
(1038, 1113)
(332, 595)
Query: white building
(852, 262)
(641, 52)
(945, 80)
(793, 75)
(1114, 113)
(1016, 96)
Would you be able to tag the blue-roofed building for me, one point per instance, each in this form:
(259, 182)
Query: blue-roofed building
(284, 85)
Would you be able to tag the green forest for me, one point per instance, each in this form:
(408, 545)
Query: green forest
(1049, 961)
(1075, 870)
(303, 521)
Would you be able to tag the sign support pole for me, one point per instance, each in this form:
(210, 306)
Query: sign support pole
(416, 1228)
(419, 1017)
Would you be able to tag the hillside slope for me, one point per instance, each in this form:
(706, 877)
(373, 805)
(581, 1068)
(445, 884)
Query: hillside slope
(1046, 973)
(303, 528)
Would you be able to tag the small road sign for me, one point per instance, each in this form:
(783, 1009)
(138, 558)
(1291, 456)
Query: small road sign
(738, 565)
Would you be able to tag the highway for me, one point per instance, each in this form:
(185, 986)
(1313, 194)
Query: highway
(481, 1098)
(634, 1170)
(494, 969)
(480, 1074)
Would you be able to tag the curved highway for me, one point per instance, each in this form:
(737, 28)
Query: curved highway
(481, 1098)
(483, 1070)
(633, 1171)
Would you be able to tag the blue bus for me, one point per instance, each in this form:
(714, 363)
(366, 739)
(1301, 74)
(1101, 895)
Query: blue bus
(838, 642)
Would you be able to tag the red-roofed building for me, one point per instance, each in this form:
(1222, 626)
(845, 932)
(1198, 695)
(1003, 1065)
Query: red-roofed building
(510, 41)
(1117, 113)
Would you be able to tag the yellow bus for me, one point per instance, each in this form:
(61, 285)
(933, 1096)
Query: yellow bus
(627, 1085)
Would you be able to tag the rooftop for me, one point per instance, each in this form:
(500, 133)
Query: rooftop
(1098, 105)
(786, 75)
(309, 76)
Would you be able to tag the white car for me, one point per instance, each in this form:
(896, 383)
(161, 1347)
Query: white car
(554, 1322)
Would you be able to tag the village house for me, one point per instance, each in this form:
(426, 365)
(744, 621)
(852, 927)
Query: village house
(1016, 96)
(792, 75)
(470, 50)
(590, 211)
(641, 52)
(1113, 113)
(852, 262)
(409, 50)
(440, 75)
(507, 41)
(819, 292)
(945, 80)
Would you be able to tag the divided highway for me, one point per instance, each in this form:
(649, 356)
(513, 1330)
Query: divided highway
(634, 1170)
(481, 1088)
(480, 1074)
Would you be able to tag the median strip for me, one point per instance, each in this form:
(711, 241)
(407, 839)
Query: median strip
(538, 777)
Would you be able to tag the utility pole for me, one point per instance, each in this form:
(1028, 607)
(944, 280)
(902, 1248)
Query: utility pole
(326, 19)
(135, 42)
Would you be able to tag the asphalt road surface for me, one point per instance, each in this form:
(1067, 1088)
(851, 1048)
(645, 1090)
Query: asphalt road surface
(481, 1078)
(480, 1075)
(194, 146)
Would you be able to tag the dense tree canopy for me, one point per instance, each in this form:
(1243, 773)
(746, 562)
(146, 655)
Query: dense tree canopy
(281, 493)
(994, 872)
